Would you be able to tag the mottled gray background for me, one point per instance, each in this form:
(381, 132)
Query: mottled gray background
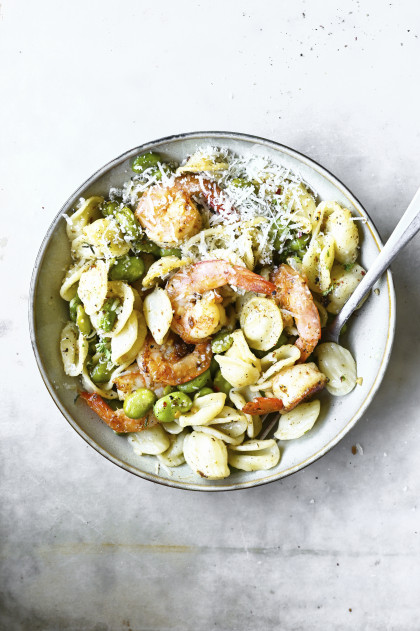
(84, 545)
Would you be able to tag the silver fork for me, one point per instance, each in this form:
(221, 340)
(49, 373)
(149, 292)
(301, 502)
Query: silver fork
(407, 227)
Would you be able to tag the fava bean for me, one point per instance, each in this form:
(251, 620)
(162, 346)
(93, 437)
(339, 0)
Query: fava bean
(128, 223)
(157, 172)
(171, 252)
(203, 392)
(146, 246)
(108, 314)
(278, 233)
(73, 304)
(128, 268)
(168, 390)
(138, 403)
(83, 320)
(145, 161)
(214, 367)
(221, 342)
(299, 243)
(221, 384)
(101, 373)
(109, 208)
(167, 408)
(195, 384)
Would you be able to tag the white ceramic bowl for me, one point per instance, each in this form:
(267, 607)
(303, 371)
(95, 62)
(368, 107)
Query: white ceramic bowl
(369, 339)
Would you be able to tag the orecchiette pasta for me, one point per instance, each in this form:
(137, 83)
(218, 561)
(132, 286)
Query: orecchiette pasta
(261, 323)
(104, 239)
(158, 313)
(318, 261)
(298, 421)
(120, 290)
(74, 349)
(174, 455)
(93, 286)
(254, 455)
(342, 228)
(343, 283)
(127, 343)
(206, 455)
(339, 367)
(161, 268)
(205, 409)
(69, 287)
(151, 441)
(88, 211)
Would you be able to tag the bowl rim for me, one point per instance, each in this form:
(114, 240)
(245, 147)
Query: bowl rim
(222, 135)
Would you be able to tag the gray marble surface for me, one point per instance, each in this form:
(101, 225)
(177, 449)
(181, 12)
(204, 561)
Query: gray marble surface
(84, 545)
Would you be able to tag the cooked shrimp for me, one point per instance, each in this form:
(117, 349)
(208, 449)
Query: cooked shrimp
(263, 405)
(116, 420)
(293, 294)
(197, 309)
(170, 364)
(168, 213)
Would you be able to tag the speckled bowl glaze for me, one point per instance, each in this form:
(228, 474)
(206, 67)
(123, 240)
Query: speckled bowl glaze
(369, 338)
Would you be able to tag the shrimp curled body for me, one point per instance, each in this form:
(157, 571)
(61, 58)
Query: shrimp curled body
(160, 365)
(195, 301)
(169, 215)
(293, 294)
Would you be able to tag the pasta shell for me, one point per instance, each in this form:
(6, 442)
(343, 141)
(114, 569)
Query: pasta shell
(206, 455)
(93, 286)
(126, 345)
(343, 283)
(199, 162)
(204, 410)
(240, 350)
(106, 238)
(261, 323)
(338, 366)
(174, 455)
(237, 372)
(343, 229)
(74, 349)
(158, 313)
(88, 211)
(161, 268)
(254, 455)
(298, 421)
(121, 290)
(318, 261)
(227, 435)
(151, 441)
(69, 287)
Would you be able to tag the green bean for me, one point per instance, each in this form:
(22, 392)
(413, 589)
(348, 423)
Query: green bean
(109, 208)
(221, 384)
(108, 314)
(73, 304)
(171, 252)
(128, 223)
(128, 268)
(83, 320)
(167, 408)
(168, 390)
(221, 342)
(203, 392)
(196, 384)
(138, 403)
(102, 372)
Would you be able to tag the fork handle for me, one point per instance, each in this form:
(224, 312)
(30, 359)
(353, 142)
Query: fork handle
(405, 230)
